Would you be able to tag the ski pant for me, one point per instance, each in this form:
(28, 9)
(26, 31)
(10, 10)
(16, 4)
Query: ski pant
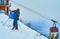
(15, 23)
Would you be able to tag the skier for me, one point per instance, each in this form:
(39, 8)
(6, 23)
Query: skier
(16, 14)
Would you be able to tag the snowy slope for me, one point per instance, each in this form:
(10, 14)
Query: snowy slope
(23, 33)
(38, 23)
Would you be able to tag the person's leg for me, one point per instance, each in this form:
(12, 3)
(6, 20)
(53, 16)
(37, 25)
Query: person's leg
(13, 27)
(16, 25)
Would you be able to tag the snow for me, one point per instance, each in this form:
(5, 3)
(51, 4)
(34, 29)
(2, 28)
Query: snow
(38, 23)
(24, 32)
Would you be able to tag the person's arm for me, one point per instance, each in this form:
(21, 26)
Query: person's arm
(18, 14)
(11, 10)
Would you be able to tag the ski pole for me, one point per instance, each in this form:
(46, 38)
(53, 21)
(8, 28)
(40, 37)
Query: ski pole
(6, 21)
